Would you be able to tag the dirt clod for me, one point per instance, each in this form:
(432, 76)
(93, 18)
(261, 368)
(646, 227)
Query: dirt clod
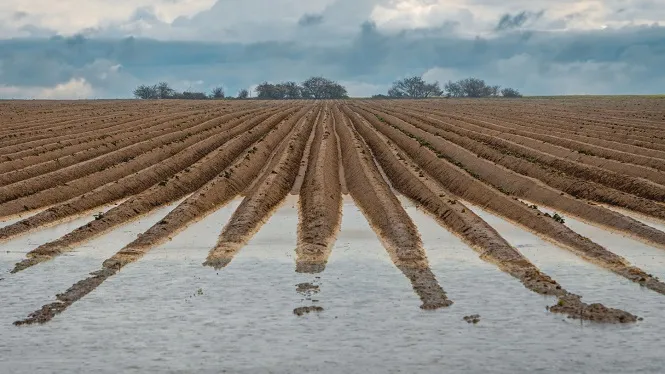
(307, 309)
(474, 318)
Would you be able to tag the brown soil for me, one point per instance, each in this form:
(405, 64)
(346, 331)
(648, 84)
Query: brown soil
(117, 164)
(386, 215)
(60, 160)
(217, 192)
(182, 183)
(320, 204)
(414, 183)
(468, 185)
(460, 133)
(474, 318)
(306, 310)
(518, 183)
(274, 186)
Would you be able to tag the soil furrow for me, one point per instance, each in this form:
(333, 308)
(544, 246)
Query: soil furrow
(539, 120)
(262, 200)
(535, 153)
(569, 130)
(76, 153)
(320, 204)
(386, 215)
(466, 184)
(176, 176)
(217, 192)
(616, 151)
(67, 123)
(117, 164)
(522, 186)
(528, 166)
(127, 185)
(407, 178)
(94, 136)
(186, 181)
(84, 125)
(60, 114)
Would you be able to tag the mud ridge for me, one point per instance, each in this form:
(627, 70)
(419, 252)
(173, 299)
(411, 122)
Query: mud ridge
(217, 192)
(413, 183)
(522, 186)
(386, 215)
(261, 202)
(75, 127)
(176, 187)
(616, 152)
(466, 186)
(26, 154)
(555, 178)
(320, 203)
(87, 175)
(537, 153)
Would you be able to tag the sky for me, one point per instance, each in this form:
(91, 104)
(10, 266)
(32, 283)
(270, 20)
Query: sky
(70, 49)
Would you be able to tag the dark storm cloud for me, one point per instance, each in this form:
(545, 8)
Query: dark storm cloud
(626, 60)
(508, 22)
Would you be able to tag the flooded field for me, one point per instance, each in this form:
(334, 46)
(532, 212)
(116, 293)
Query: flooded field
(336, 236)
(168, 313)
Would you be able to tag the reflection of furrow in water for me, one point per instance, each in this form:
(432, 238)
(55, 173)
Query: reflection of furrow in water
(386, 215)
(182, 183)
(320, 204)
(413, 182)
(217, 192)
(468, 185)
(262, 200)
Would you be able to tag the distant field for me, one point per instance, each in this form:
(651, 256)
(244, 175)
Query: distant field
(530, 162)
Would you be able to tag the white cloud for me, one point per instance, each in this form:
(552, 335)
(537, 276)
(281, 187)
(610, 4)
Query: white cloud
(76, 88)
(252, 20)
(69, 17)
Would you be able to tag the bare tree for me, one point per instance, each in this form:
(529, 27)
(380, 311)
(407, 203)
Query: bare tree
(146, 92)
(243, 94)
(432, 90)
(474, 87)
(510, 93)
(290, 90)
(415, 88)
(269, 91)
(495, 90)
(454, 89)
(323, 88)
(164, 91)
(217, 93)
(189, 95)
(471, 87)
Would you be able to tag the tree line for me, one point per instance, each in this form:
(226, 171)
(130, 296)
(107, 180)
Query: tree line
(163, 90)
(322, 88)
(312, 88)
(417, 88)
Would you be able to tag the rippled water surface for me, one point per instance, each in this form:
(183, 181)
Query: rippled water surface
(167, 313)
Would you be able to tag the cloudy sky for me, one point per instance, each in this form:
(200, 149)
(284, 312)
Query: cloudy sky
(104, 48)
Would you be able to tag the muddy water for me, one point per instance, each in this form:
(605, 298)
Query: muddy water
(167, 313)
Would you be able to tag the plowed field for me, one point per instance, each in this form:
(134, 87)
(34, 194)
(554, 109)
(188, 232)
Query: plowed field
(537, 164)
